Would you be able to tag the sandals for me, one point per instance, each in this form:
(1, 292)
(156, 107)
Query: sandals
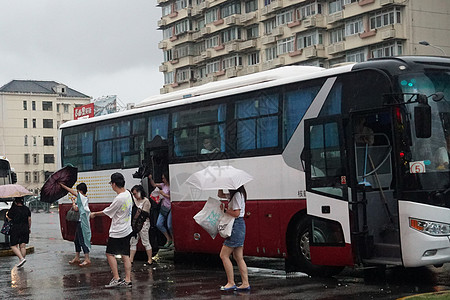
(85, 264)
(74, 262)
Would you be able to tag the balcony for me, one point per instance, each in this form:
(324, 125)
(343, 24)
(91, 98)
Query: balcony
(386, 2)
(233, 20)
(199, 8)
(206, 54)
(231, 73)
(268, 39)
(272, 7)
(162, 45)
(252, 69)
(277, 62)
(248, 17)
(247, 44)
(336, 48)
(335, 17)
(387, 34)
(161, 23)
(278, 31)
(232, 47)
(205, 30)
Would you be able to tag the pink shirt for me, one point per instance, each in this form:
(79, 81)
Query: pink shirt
(166, 190)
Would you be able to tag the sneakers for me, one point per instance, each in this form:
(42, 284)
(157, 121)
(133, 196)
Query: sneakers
(118, 283)
(125, 284)
(21, 263)
(113, 283)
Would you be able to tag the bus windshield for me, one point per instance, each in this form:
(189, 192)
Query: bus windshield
(428, 167)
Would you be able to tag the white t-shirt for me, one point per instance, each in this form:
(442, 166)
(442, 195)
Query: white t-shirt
(120, 213)
(238, 202)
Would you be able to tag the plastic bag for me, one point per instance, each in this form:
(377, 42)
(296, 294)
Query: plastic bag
(210, 216)
(155, 195)
(226, 225)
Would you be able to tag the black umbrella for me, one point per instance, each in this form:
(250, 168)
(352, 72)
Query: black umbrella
(51, 190)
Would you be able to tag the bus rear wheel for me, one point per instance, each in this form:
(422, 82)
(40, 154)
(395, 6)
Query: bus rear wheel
(299, 253)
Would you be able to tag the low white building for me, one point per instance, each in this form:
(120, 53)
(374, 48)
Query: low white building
(31, 113)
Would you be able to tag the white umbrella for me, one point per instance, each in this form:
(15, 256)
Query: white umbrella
(219, 177)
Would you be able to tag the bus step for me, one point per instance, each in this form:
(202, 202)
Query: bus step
(383, 261)
(386, 250)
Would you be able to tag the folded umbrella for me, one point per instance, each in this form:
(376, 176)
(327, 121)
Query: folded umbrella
(51, 191)
(13, 190)
(219, 177)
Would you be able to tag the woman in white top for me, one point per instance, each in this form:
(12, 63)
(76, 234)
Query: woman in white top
(83, 231)
(235, 243)
(143, 203)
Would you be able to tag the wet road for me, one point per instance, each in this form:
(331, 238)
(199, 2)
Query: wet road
(47, 275)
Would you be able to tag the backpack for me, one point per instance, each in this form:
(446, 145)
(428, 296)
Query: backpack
(138, 217)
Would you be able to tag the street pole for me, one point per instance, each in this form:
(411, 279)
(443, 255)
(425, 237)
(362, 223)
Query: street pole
(425, 43)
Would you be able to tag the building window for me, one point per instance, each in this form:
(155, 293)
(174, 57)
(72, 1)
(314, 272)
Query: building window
(34, 141)
(213, 67)
(25, 123)
(33, 105)
(168, 78)
(230, 34)
(354, 27)
(35, 159)
(335, 6)
(168, 55)
(285, 45)
(66, 108)
(28, 177)
(25, 138)
(253, 32)
(182, 27)
(349, 1)
(212, 42)
(385, 18)
(183, 75)
(25, 105)
(357, 56)
(310, 10)
(307, 40)
(212, 15)
(34, 123)
(285, 17)
(270, 25)
(253, 58)
(271, 53)
(386, 49)
(231, 62)
(251, 5)
(48, 141)
(49, 158)
(48, 123)
(47, 105)
(57, 107)
(26, 158)
(337, 35)
(36, 176)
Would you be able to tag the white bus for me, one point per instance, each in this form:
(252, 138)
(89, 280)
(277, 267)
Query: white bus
(345, 160)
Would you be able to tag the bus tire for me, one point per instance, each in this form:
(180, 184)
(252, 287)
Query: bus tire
(299, 258)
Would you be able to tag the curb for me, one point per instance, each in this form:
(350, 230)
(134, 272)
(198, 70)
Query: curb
(428, 296)
(9, 252)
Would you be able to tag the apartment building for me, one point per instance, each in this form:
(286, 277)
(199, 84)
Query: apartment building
(31, 112)
(209, 40)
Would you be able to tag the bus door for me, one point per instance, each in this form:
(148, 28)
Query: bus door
(156, 159)
(373, 206)
(327, 192)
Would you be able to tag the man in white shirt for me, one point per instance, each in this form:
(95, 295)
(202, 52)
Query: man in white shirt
(120, 231)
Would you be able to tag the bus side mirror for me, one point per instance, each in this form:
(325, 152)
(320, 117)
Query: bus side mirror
(422, 120)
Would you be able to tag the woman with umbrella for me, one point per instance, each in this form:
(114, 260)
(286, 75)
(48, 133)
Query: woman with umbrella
(235, 243)
(20, 216)
(83, 231)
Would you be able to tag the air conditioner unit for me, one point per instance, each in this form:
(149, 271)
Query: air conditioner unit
(248, 17)
(278, 62)
(163, 68)
(247, 44)
(232, 47)
(231, 73)
(310, 22)
(205, 30)
(268, 40)
(206, 54)
(163, 90)
(277, 4)
(310, 52)
(162, 45)
(231, 20)
(161, 22)
(278, 31)
(386, 2)
(252, 69)
(388, 34)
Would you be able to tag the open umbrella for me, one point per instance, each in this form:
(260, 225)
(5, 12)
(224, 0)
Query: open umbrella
(13, 190)
(51, 190)
(219, 177)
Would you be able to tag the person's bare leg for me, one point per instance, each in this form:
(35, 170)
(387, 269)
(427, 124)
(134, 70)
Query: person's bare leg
(132, 254)
(76, 259)
(238, 255)
(225, 253)
(23, 249)
(87, 260)
(149, 255)
(113, 265)
(127, 267)
(16, 251)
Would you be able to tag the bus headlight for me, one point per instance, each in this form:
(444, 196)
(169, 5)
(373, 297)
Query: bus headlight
(430, 227)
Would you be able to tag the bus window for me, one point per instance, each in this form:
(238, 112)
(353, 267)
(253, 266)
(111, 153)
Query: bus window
(112, 141)
(257, 122)
(158, 125)
(191, 127)
(78, 150)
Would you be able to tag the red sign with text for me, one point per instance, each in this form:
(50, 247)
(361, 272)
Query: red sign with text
(84, 112)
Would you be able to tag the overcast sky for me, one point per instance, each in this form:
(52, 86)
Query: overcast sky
(97, 47)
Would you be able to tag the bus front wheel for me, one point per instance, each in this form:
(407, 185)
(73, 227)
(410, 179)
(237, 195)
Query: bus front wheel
(299, 252)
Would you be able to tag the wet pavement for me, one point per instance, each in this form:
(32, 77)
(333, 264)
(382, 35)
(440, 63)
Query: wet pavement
(47, 275)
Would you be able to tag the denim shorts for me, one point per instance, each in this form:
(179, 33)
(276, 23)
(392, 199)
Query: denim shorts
(237, 234)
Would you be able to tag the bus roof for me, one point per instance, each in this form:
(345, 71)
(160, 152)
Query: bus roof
(237, 85)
